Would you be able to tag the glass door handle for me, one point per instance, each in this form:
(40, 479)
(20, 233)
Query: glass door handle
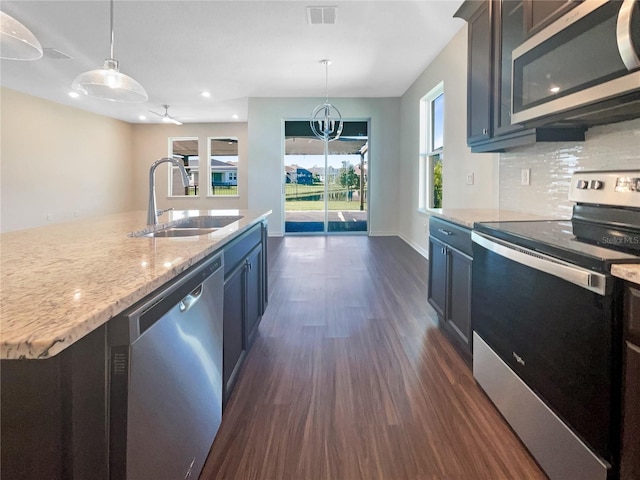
(624, 35)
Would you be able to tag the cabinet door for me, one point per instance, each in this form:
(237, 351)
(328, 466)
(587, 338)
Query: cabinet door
(479, 76)
(630, 457)
(508, 34)
(459, 313)
(254, 294)
(233, 328)
(540, 13)
(437, 286)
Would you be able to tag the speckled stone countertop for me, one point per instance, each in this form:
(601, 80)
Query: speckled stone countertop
(60, 282)
(468, 216)
(630, 272)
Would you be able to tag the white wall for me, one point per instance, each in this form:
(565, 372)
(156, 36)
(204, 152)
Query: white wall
(151, 142)
(449, 67)
(266, 152)
(60, 162)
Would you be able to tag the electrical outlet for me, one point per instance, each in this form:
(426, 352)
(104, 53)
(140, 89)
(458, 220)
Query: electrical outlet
(49, 216)
(470, 178)
(76, 213)
(525, 176)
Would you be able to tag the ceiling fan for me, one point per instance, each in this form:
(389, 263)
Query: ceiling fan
(166, 117)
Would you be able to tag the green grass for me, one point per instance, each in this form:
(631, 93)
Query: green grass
(297, 206)
(226, 190)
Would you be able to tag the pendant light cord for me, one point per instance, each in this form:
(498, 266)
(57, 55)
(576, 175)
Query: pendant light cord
(111, 30)
(326, 80)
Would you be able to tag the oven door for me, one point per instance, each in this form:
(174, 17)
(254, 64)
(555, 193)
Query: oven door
(552, 325)
(588, 56)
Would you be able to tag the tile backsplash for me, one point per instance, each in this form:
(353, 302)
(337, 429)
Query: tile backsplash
(615, 146)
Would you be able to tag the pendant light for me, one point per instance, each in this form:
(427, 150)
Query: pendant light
(16, 41)
(326, 120)
(108, 83)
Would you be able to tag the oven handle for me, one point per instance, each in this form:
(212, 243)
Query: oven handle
(595, 282)
(624, 37)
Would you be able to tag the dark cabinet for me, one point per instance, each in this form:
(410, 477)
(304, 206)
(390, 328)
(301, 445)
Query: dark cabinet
(244, 300)
(54, 414)
(538, 14)
(437, 286)
(449, 286)
(479, 75)
(234, 345)
(495, 28)
(253, 272)
(630, 446)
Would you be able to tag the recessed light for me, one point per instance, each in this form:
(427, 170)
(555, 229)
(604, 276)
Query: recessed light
(205, 94)
(234, 116)
(142, 117)
(554, 89)
(74, 94)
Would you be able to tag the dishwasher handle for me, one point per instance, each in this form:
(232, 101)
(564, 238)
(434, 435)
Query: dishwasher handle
(190, 300)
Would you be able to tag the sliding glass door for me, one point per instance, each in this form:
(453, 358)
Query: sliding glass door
(325, 186)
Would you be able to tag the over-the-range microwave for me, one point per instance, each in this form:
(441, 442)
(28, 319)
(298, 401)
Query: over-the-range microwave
(583, 69)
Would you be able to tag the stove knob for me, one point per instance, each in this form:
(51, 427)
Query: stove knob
(595, 184)
(582, 184)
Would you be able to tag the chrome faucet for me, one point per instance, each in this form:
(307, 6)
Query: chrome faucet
(152, 214)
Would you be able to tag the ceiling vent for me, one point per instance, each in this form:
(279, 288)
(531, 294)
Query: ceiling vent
(321, 15)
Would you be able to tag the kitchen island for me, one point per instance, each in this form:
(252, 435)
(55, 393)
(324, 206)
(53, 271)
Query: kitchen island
(61, 282)
(63, 287)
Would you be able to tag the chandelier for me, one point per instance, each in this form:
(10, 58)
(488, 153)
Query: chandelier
(326, 120)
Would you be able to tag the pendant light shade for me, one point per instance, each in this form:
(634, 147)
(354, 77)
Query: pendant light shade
(16, 41)
(108, 83)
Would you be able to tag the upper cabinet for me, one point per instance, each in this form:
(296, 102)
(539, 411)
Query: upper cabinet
(548, 97)
(479, 75)
(495, 28)
(538, 15)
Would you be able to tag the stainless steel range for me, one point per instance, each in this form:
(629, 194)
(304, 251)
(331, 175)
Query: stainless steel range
(546, 314)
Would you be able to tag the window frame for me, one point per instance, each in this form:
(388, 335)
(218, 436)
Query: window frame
(171, 168)
(429, 156)
(210, 172)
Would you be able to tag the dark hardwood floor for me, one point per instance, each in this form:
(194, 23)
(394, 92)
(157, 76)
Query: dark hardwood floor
(350, 378)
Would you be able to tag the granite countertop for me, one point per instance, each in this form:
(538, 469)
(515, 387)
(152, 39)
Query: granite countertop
(468, 216)
(630, 272)
(60, 282)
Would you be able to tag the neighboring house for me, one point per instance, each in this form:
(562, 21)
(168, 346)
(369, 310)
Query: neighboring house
(224, 173)
(301, 176)
(331, 174)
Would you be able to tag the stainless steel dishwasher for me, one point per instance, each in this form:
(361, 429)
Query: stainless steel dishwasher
(165, 388)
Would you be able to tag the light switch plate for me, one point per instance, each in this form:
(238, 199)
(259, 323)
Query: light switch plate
(525, 176)
(470, 178)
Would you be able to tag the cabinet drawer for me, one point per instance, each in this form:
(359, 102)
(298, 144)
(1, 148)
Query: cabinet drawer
(453, 235)
(238, 249)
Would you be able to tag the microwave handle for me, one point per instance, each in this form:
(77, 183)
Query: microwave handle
(623, 35)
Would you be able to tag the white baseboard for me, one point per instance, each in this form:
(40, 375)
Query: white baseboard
(415, 246)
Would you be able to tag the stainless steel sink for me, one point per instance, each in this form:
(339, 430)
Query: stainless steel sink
(206, 221)
(179, 232)
(191, 226)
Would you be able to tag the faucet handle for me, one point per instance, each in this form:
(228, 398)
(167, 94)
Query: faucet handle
(160, 212)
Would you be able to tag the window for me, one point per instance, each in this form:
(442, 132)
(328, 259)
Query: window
(431, 148)
(223, 166)
(185, 149)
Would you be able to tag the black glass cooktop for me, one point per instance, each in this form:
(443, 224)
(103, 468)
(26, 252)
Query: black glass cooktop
(556, 238)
